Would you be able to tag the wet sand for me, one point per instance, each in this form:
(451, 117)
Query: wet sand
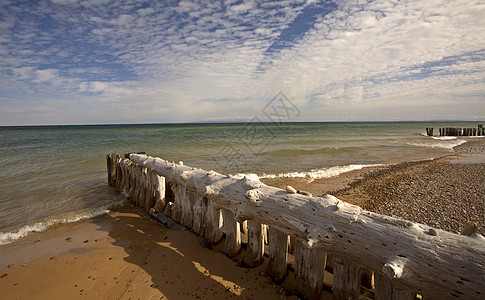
(125, 255)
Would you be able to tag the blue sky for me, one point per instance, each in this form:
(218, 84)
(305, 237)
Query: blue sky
(135, 61)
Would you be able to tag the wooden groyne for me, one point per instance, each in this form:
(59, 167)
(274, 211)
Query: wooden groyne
(457, 131)
(406, 258)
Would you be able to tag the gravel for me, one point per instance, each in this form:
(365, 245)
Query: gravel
(444, 193)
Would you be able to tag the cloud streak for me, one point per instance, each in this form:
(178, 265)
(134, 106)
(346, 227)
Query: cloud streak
(182, 61)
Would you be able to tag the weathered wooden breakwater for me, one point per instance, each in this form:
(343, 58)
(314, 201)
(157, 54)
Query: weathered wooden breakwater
(457, 131)
(407, 258)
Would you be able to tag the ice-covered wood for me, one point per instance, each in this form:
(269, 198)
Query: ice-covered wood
(232, 243)
(435, 264)
(346, 278)
(278, 254)
(309, 270)
(255, 250)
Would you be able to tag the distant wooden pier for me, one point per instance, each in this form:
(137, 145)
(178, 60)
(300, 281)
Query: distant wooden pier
(457, 131)
(369, 256)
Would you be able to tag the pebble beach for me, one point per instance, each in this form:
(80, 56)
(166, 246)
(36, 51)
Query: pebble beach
(444, 193)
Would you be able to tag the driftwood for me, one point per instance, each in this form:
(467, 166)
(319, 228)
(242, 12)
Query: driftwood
(408, 258)
(278, 254)
(255, 251)
(309, 271)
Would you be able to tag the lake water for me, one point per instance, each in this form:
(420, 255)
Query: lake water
(55, 174)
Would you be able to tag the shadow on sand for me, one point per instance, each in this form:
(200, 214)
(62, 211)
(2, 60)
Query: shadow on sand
(171, 264)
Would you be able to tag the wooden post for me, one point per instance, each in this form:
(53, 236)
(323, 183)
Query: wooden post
(309, 271)
(346, 278)
(136, 192)
(160, 202)
(143, 187)
(385, 290)
(132, 179)
(278, 254)
(232, 243)
(150, 194)
(213, 230)
(118, 173)
(255, 251)
(188, 208)
(178, 197)
(199, 220)
(111, 169)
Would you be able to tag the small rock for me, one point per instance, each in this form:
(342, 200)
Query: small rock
(4, 275)
(290, 189)
(10, 266)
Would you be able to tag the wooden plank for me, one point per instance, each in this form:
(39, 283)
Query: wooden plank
(347, 230)
(346, 278)
(309, 271)
(385, 290)
(255, 250)
(232, 243)
(278, 254)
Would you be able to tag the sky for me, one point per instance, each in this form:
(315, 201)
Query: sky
(136, 61)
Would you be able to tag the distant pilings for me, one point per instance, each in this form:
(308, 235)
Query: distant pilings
(458, 131)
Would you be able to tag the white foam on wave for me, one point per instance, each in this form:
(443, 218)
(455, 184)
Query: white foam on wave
(443, 138)
(250, 176)
(319, 173)
(447, 144)
(11, 236)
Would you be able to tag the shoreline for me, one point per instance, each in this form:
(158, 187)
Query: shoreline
(125, 254)
(445, 192)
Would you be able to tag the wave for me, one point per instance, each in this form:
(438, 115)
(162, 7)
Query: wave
(312, 174)
(11, 236)
(447, 144)
(443, 138)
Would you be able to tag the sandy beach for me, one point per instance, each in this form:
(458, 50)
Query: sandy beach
(126, 254)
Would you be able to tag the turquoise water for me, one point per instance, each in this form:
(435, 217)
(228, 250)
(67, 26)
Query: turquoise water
(53, 174)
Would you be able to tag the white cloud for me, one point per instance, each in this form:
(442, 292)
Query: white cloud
(191, 55)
